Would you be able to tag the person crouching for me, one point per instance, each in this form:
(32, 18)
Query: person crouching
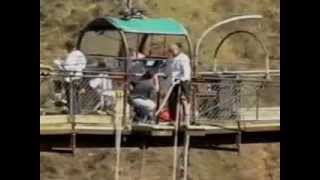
(143, 97)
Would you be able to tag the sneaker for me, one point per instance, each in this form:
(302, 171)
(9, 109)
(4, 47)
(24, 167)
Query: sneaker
(58, 96)
(165, 123)
(152, 120)
(110, 112)
(101, 112)
(139, 123)
(65, 110)
(145, 120)
(138, 120)
(135, 120)
(64, 101)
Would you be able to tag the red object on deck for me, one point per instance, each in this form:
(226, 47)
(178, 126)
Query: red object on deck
(165, 116)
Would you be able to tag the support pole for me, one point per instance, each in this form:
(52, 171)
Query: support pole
(175, 146)
(72, 116)
(118, 125)
(74, 142)
(186, 156)
(126, 80)
(143, 151)
(118, 151)
(239, 139)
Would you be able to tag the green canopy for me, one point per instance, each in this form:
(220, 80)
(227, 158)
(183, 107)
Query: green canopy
(148, 25)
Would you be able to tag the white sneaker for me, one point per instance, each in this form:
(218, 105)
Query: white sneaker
(101, 112)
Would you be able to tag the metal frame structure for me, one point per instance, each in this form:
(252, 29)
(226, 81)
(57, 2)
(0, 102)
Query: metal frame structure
(118, 129)
(188, 130)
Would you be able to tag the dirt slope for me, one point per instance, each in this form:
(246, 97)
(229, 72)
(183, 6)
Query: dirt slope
(257, 162)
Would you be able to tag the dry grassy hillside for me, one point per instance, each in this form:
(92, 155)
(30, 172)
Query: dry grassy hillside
(61, 20)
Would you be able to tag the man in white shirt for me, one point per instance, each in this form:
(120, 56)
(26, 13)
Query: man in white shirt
(180, 71)
(181, 66)
(74, 64)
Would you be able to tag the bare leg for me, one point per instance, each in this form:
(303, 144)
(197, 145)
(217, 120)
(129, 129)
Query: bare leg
(186, 107)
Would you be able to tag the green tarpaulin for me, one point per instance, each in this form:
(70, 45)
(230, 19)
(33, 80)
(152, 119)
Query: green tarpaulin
(152, 26)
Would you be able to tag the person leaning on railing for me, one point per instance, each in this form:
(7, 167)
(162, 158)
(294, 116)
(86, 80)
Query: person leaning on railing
(73, 65)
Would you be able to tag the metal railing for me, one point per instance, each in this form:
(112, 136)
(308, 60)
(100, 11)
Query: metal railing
(64, 93)
(231, 99)
(93, 93)
(215, 99)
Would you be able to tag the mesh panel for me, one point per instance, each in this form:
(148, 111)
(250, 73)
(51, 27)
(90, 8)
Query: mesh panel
(230, 99)
(89, 94)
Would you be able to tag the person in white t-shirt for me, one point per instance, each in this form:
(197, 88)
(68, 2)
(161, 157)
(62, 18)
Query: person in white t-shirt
(180, 72)
(73, 65)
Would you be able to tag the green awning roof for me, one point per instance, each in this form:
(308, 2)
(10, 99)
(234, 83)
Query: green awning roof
(151, 26)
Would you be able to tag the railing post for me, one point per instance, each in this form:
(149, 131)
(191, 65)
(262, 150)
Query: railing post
(143, 159)
(257, 102)
(158, 101)
(238, 116)
(193, 104)
(258, 94)
(72, 113)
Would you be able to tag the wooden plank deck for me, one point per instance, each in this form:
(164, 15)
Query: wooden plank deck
(97, 124)
(222, 127)
(229, 127)
(266, 113)
(55, 129)
(154, 130)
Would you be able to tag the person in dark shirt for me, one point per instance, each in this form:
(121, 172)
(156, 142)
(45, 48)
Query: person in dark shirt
(135, 65)
(143, 95)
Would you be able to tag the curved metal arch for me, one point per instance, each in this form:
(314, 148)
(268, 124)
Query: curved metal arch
(97, 24)
(217, 25)
(260, 42)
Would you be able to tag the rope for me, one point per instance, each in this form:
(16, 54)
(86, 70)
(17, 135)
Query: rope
(166, 97)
